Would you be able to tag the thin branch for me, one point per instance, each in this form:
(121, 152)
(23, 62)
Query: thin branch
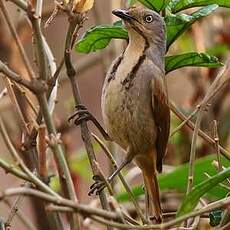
(27, 98)
(15, 77)
(225, 227)
(83, 209)
(10, 168)
(17, 39)
(64, 173)
(14, 210)
(24, 220)
(42, 152)
(213, 89)
(35, 18)
(217, 143)
(15, 155)
(185, 121)
(21, 4)
(202, 134)
(169, 224)
(75, 24)
(123, 181)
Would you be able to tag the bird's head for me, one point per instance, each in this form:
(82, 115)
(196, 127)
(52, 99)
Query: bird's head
(144, 21)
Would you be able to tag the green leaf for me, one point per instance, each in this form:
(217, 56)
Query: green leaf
(191, 59)
(178, 5)
(79, 162)
(99, 37)
(177, 180)
(215, 217)
(178, 24)
(192, 199)
(156, 5)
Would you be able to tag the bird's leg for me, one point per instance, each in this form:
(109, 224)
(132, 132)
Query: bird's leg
(82, 114)
(99, 185)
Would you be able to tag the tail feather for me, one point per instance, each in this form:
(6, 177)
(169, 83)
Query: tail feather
(152, 187)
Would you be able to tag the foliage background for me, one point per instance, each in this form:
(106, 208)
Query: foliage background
(187, 87)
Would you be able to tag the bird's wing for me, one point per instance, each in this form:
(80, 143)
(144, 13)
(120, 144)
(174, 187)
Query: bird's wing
(161, 113)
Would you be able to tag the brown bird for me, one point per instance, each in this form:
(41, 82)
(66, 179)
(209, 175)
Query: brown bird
(135, 101)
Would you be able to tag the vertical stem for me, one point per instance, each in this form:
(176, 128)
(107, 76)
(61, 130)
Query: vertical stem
(64, 172)
(17, 39)
(74, 21)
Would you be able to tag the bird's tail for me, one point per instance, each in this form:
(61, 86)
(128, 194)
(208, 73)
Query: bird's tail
(151, 184)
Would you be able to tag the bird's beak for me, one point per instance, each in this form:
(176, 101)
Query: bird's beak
(123, 14)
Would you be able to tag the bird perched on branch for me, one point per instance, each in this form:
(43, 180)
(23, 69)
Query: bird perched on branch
(135, 101)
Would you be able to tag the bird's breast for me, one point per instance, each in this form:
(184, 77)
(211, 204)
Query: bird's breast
(127, 113)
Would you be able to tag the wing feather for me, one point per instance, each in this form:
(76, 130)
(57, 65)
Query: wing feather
(161, 113)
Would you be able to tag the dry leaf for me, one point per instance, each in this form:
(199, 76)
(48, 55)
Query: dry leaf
(81, 6)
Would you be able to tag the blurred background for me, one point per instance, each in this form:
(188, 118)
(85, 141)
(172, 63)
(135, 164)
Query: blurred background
(186, 86)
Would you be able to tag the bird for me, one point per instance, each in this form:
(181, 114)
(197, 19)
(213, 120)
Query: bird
(134, 98)
(134, 102)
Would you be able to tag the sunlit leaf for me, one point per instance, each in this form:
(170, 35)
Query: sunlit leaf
(177, 180)
(191, 59)
(156, 5)
(192, 199)
(178, 5)
(178, 24)
(99, 37)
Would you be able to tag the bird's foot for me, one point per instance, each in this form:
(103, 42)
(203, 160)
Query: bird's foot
(81, 114)
(97, 186)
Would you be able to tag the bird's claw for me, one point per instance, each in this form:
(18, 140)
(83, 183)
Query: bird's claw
(97, 186)
(81, 114)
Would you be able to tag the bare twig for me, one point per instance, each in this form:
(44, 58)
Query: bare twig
(14, 210)
(17, 39)
(202, 134)
(76, 21)
(17, 158)
(42, 151)
(185, 121)
(217, 143)
(12, 169)
(123, 181)
(15, 77)
(26, 222)
(21, 4)
(169, 224)
(69, 205)
(218, 83)
(84, 209)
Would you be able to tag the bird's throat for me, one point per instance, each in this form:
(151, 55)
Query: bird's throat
(132, 57)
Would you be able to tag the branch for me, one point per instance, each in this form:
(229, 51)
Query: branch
(191, 125)
(213, 89)
(15, 155)
(10, 168)
(75, 24)
(123, 181)
(15, 77)
(85, 210)
(21, 4)
(17, 39)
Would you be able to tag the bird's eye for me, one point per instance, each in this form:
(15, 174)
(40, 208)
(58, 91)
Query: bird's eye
(148, 18)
